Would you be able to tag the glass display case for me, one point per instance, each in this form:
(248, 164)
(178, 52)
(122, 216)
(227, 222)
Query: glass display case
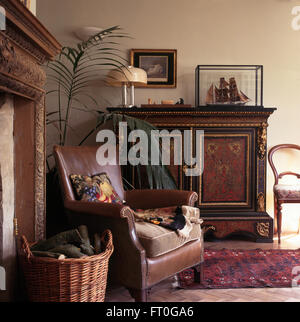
(229, 85)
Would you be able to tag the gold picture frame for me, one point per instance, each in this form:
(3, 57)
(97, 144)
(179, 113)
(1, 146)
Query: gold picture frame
(160, 65)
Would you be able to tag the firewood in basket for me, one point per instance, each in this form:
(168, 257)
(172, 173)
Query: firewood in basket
(69, 250)
(66, 237)
(87, 250)
(97, 243)
(86, 246)
(48, 254)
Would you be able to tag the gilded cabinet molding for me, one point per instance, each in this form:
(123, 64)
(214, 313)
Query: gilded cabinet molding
(263, 229)
(262, 140)
(261, 202)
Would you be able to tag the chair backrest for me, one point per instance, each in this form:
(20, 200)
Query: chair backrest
(270, 158)
(82, 160)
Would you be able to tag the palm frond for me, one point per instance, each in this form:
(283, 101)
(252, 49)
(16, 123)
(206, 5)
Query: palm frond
(159, 176)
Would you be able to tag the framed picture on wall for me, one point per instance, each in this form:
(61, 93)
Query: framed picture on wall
(26, 3)
(159, 64)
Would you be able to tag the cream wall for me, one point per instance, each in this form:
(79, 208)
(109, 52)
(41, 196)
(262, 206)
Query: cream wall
(33, 6)
(203, 32)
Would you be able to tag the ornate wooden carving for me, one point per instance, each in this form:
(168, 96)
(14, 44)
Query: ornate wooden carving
(263, 229)
(24, 46)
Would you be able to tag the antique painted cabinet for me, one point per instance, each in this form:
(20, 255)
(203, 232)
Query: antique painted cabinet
(232, 187)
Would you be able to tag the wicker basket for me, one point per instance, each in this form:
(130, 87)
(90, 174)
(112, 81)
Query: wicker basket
(67, 280)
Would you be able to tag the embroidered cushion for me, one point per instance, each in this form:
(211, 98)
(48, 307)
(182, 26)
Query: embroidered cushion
(287, 191)
(95, 188)
(156, 238)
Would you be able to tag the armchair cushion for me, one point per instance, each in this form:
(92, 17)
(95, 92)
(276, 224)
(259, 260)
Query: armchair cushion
(160, 232)
(95, 188)
(158, 240)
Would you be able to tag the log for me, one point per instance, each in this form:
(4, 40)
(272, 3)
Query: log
(97, 243)
(87, 250)
(48, 254)
(86, 246)
(69, 250)
(66, 237)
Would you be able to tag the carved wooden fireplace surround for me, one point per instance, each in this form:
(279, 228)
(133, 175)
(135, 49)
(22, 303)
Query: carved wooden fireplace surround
(25, 45)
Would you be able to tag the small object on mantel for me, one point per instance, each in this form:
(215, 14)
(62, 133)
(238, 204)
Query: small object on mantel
(180, 102)
(165, 105)
(167, 102)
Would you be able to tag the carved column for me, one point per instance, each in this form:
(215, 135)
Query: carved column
(40, 170)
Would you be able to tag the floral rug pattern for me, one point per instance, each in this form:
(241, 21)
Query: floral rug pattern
(234, 268)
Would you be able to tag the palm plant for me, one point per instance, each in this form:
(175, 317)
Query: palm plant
(73, 72)
(159, 176)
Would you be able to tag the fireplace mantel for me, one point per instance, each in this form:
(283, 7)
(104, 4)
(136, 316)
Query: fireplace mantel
(25, 45)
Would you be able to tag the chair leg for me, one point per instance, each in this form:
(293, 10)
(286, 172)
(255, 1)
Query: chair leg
(138, 295)
(199, 273)
(275, 214)
(279, 218)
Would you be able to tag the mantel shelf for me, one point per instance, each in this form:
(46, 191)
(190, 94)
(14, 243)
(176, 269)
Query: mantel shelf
(228, 109)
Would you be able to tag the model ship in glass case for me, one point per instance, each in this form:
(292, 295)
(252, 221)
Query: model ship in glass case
(229, 85)
(226, 93)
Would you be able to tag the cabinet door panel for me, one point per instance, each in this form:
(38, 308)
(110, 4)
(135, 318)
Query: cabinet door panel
(228, 174)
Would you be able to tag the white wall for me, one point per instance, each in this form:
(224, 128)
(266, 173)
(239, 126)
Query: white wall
(203, 32)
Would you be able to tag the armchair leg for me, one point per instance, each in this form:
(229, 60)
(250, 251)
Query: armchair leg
(199, 273)
(138, 295)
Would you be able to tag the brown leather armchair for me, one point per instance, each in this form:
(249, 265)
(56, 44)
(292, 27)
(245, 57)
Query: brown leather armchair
(130, 262)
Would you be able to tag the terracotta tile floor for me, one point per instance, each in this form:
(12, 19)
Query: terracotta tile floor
(164, 292)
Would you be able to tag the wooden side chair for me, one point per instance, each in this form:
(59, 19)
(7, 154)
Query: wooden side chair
(283, 193)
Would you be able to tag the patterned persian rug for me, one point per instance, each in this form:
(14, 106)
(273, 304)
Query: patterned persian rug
(233, 268)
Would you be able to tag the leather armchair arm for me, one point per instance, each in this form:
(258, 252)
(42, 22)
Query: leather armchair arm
(96, 208)
(147, 199)
(129, 256)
